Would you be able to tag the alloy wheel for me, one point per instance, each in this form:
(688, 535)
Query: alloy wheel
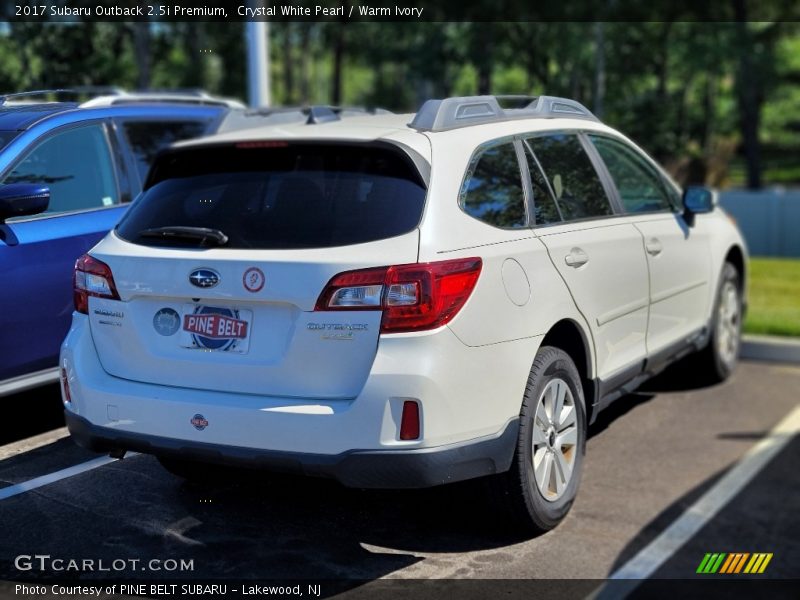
(728, 316)
(555, 439)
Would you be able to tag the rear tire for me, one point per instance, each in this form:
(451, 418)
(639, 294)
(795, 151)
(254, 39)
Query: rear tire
(539, 489)
(718, 359)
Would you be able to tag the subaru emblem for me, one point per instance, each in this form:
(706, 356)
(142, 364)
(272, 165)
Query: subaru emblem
(204, 278)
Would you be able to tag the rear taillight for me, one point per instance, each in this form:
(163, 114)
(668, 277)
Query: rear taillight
(413, 297)
(92, 278)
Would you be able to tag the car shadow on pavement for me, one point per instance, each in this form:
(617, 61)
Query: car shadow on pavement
(384, 527)
(253, 526)
(682, 376)
(618, 408)
(759, 518)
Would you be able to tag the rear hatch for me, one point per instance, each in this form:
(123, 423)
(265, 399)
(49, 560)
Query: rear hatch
(218, 266)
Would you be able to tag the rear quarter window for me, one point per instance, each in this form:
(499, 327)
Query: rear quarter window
(492, 191)
(275, 195)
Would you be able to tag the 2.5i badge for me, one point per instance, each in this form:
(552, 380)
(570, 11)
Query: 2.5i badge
(216, 328)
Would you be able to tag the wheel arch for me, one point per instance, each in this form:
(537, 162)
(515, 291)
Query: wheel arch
(570, 337)
(735, 256)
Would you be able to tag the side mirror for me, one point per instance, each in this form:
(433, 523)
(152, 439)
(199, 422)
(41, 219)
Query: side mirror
(20, 199)
(697, 200)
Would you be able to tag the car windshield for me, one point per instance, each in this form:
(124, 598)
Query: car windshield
(275, 195)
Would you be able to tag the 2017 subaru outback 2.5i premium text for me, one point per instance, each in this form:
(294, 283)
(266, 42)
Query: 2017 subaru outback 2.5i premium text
(398, 301)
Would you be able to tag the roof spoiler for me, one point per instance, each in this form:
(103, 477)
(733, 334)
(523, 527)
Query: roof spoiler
(280, 115)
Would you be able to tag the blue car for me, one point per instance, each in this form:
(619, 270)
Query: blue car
(67, 173)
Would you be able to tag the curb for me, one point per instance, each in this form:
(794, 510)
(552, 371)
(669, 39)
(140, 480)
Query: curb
(772, 348)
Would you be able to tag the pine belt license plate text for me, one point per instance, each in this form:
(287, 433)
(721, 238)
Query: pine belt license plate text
(216, 328)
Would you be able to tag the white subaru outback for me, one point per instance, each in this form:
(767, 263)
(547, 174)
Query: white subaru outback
(398, 300)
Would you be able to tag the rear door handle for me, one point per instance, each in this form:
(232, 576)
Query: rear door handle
(653, 247)
(576, 258)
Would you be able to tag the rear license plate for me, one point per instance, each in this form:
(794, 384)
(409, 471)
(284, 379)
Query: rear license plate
(216, 328)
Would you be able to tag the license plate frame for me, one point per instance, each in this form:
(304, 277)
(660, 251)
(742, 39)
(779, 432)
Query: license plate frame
(214, 328)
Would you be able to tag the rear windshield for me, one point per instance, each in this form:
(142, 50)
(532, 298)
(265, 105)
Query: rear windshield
(276, 195)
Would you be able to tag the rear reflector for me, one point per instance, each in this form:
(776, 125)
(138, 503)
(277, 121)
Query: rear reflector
(92, 278)
(413, 297)
(65, 385)
(409, 424)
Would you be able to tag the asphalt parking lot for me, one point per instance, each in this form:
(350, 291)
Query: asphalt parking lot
(649, 459)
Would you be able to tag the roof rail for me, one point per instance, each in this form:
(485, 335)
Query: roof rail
(463, 111)
(172, 97)
(78, 91)
(111, 95)
(311, 115)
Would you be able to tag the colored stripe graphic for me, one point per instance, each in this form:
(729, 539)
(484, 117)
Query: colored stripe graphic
(732, 563)
(752, 563)
(759, 562)
(727, 564)
(718, 563)
(765, 563)
(711, 563)
(741, 562)
(703, 563)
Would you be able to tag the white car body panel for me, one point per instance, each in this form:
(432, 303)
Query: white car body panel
(618, 317)
(679, 262)
(463, 403)
(285, 331)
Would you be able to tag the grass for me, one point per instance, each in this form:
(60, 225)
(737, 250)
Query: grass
(774, 298)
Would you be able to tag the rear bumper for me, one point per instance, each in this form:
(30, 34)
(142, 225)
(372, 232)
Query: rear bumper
(391, 469)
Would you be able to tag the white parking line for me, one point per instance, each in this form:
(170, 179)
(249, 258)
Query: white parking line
(32, 484)
(651, 557)
(32, 443)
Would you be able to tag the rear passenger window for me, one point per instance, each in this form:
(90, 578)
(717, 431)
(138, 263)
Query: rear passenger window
(571, 175)
(545, 209)
(492, 191)
(640, 186)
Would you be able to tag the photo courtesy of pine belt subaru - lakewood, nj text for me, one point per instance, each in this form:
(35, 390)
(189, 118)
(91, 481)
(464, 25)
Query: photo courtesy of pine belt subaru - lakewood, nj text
(398, 301)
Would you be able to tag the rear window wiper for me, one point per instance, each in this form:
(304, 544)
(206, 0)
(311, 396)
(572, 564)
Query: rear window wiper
(179, 232)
